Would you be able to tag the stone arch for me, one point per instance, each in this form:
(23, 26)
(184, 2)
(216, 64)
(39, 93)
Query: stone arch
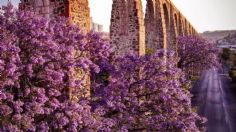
(136, 27)
(150, 27)
(119, 26)
(194, 31)
(166, 25)
(190, 30)
(186, 28)
(160, 29)
(176, 21)
(180, 30)
(173, 29)
(127, 32)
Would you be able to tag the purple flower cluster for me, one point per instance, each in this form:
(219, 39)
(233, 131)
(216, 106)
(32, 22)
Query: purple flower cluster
(145, 94)
(37, 60)
(196, 54)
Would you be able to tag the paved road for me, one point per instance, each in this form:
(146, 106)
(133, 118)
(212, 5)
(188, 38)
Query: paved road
(215, 98)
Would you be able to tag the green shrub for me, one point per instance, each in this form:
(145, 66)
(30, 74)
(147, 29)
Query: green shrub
(193, 78)
(232, 74)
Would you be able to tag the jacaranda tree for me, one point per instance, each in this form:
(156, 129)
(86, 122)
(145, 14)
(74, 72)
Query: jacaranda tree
(196, 54)
(146, 94)
(39, 63)
(38, 58)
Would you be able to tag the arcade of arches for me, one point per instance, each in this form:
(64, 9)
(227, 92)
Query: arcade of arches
(129, 30)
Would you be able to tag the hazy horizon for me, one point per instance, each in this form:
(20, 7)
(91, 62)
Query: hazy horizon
(204, 15)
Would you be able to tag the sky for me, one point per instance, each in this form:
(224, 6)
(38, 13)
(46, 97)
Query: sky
(204, 15)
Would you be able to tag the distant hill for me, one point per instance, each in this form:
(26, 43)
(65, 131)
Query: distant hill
(228, 40)
(216, 35)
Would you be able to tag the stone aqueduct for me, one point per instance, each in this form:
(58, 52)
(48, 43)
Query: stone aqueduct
(130, 29)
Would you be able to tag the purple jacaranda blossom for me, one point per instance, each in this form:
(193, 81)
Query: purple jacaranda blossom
(196, 55)
(147, 94)
(36, 63)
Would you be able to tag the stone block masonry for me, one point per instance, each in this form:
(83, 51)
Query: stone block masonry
(119, 35)
(136, 29)
(80, 13)
(127, 31)
(77, 10)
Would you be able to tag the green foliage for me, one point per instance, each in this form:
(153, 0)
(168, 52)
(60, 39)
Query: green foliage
(193, 78)
(149, 51)
(226, 54)
(228, 57)
(232, 74)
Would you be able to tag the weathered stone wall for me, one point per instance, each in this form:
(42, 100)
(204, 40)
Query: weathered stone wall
(167, 24)
(186, 30)
(127, 32)
(80, 13)
(136, 28)
(151, 27)
(119, 27)
(77, 10)
(161, 31)
(173, 29)
(41, 7)
(181, 30)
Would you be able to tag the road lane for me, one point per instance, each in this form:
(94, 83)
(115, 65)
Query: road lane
(214, 99)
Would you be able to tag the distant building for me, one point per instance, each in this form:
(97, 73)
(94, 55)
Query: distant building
(100, 28)
(95, 26)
